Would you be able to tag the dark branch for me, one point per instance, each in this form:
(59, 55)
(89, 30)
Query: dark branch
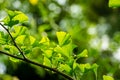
(37, 64)
(13, 41)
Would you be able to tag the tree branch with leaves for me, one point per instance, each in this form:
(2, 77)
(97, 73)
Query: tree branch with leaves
(57, 57)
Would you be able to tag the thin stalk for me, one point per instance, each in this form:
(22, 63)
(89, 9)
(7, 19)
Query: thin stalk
(13, 41)
(38, 64)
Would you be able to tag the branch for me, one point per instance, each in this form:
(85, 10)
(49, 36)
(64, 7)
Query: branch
(29, 61)
(13, 41)
(37, 64)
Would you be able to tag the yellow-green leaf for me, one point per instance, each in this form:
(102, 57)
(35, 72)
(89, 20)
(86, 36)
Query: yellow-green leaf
(45, 40)
(47, 62)
(32, 40)
(20, 39)
(63, 38)
(105, 77)
(48, 53)
(84, 53)
(65, 67)
(18, 30)
(20, 17)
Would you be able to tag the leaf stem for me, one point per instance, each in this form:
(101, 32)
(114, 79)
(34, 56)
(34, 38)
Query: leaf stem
(13, 41)
(37, 64)
(29, 61)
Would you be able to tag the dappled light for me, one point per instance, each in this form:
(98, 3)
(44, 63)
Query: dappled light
(69, 39)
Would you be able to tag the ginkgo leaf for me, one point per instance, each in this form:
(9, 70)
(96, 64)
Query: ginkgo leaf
(65, 67)
(14, 17)
(47, 62)
(83, 67)
(20, 39)
(20, 18)
(45, 40)
(95, 67)
(84, 53)
(74, 65)
(18, 30)
(105, 77)
(63, 38)
(2, 39)
(48, 53)
(32, 40)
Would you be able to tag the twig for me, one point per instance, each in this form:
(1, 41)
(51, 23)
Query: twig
(29, 61)
(13, 41)
(37, 64)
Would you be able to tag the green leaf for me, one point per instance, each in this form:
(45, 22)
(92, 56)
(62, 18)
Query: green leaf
(14, 17)
(114, 3)
(65, 67)
(11, 49)
(2, 39)
(65, 50)
(83, 67)
(63, 38)
(84, 53)
(107, 77)
(18, 30)
(47, 62)
(10, 13)
(74, 65)
(20, 18)
(48, 53)
(95, 67)
(45, 41)
(32, 40)
(13, 59)
(20, 39)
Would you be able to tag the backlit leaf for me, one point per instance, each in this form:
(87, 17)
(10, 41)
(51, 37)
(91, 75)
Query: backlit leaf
(95, 67)
(107, 77)
(63, 38)
(48, 53)
(65, 67)
(32, 40)
(84, 53)
(45, 40)
(20, 39)
(47, 62)
(20, 18)
(14, 17)
(18, 30)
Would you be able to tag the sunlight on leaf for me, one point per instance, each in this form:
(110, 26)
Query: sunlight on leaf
(20, 17)
(45, 41)
(83, 67)
(65, 67)
(32, 40)
(84, 53)
(47, 62)
(107, 77)
(48, 53)
(14, 17)
(18, 30)
(20, 39)
(63, 38)
(74, 65)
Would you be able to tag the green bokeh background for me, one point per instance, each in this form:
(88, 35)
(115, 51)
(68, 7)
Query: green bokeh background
(91, 23)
